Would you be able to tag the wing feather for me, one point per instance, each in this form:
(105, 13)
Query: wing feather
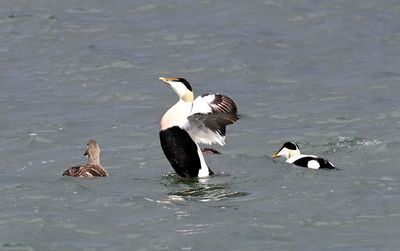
(214, 103)
(209, 128)
(210, 114)
(223, 104)
(87, 171)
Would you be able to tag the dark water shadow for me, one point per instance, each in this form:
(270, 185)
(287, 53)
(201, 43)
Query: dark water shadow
(213, 188)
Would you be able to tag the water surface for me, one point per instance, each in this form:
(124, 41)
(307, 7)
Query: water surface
(323, 74)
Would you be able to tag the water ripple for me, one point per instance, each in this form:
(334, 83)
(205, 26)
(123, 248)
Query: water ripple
(199, 190)
(342, 143)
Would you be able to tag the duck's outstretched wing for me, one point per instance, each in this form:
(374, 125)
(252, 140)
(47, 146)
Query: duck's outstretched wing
(209, 128)
(210, 115)
(214, 103)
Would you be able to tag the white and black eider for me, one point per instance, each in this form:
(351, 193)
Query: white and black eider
(190, 122)
(93, 168)
(291, 152)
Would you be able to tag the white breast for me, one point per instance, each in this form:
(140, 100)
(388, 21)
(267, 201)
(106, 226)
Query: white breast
(176, 115)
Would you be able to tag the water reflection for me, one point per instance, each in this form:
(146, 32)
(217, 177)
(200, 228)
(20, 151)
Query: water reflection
(203, 190)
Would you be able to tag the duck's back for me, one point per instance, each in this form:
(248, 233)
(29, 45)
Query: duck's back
(86, 171)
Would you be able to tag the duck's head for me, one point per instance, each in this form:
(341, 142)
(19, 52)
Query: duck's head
(93, 149)
(181, 86)
(289, 149)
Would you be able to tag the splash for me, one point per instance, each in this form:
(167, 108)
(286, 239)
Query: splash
(347, 143)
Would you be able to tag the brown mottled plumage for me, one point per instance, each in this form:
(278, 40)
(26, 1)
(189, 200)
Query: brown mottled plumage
(93, 168)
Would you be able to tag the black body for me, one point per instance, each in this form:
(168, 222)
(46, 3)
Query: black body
(323, 163)
(181, 151)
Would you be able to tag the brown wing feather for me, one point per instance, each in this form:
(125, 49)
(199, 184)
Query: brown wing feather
(222, 104)
(86, 171)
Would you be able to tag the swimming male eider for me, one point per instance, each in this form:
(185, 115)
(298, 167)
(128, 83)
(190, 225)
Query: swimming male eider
(291, 152)
(190, 122)
(93, 168)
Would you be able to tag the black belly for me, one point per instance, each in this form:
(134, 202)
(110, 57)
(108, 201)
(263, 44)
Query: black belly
(181, 151)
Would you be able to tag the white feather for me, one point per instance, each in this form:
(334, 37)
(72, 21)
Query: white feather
(202, 104)
(179, 88)
(204, 171)
(202, 134)
(197, 130)
(313, 164)
(294, 158)
(176, 115)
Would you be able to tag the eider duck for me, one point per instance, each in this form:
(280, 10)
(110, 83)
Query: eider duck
(190, 122)
(291, 152)
(93, 168)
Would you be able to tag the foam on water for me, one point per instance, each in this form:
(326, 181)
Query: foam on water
(346, 143)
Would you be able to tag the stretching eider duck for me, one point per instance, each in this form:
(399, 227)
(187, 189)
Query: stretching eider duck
(291, 152)
(93, 168)
(190, 122)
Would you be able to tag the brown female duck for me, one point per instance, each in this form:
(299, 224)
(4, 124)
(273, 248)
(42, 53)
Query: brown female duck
(93, 168)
